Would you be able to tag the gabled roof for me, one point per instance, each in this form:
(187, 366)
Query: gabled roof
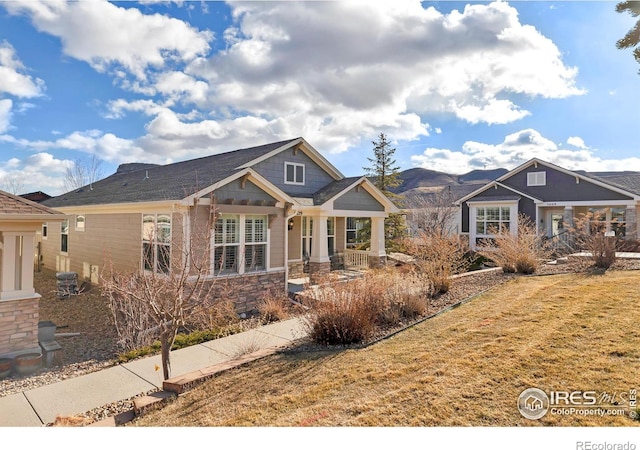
(168, 182)
(333, 189)
(495, 183)
(625, 183)
(629, 182)
(13, 207)
(599, 181)
(340, 187)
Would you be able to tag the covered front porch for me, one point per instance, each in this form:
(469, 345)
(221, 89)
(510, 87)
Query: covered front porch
(319, 244)
(558, 220)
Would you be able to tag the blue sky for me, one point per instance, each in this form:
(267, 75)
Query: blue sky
(455, 86)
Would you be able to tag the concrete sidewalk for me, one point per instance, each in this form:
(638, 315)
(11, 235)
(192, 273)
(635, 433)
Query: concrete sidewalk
(40, 406)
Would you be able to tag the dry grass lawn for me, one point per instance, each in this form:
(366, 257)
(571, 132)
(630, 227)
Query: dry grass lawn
(465, 367)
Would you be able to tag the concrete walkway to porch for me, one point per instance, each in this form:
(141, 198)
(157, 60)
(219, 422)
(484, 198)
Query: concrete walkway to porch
(40, 406)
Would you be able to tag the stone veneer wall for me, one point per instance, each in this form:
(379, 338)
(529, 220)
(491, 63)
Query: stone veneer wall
(296, 270)
(247, 290)
(317, 271)
(18, 325)
(376, 262)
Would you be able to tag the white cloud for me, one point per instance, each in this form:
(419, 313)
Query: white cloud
(293, 69)
(106, 35)
(516, 149)
(13, 80)
(576, 142)
(5, 114)
(36, 172)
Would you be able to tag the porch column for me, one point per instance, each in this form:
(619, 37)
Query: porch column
(377, 253)
(17, 265)
(631, 225)
(567, 217)
(319, 262)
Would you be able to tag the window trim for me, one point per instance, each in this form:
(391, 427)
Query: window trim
(156, 243)
(537, 178)
(84, 222)
(64, 243)
(45, 231)
(295, 173)
(473, 211)
(241, 244)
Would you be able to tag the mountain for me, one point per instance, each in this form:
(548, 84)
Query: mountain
(422, 185)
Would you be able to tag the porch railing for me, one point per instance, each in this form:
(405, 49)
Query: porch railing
(356, 259)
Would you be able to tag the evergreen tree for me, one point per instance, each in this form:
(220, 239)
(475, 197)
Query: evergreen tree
(383, 171)
(632, 38)
(385, 175)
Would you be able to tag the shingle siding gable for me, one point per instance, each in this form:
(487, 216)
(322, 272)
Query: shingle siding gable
(273, 170)
(560, 187)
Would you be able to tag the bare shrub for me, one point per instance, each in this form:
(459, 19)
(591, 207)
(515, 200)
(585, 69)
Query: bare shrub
(274, 306)
(437, 257)
(344, 318)
(520, 252)
(590, 234)
(349, 312)
(174, 289)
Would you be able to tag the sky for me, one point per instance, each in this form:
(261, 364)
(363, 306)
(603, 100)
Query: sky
(454, 86)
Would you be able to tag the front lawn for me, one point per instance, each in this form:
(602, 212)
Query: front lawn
(466, 367)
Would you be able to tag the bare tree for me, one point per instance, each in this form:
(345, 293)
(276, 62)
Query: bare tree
(432, 213)
(13, 183)
(173, 287)
(84, 171)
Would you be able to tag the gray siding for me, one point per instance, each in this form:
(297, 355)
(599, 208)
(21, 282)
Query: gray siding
(357, 199)
(561, 187)
(235, 191)
(273, 170)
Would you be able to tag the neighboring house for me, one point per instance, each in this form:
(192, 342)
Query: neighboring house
(278, 206)
(20, 220)
(552, 197)
(37, 197)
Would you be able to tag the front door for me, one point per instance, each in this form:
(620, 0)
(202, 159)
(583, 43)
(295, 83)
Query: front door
(555, 221)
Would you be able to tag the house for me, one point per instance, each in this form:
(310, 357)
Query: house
(20, 221)
(280, 208)
(553, 197)
(37, 196)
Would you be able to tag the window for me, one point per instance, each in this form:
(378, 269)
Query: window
(226, 244)
(354, 231)
(293, 173)
(64, 236)
(492, 218)
(156, 242)
(307, 232)
(80, 223)
(536, 178)
(239, 244)
(255, 247)
(45, 230)
(331, 235)
(608, 219)
(618, 221)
